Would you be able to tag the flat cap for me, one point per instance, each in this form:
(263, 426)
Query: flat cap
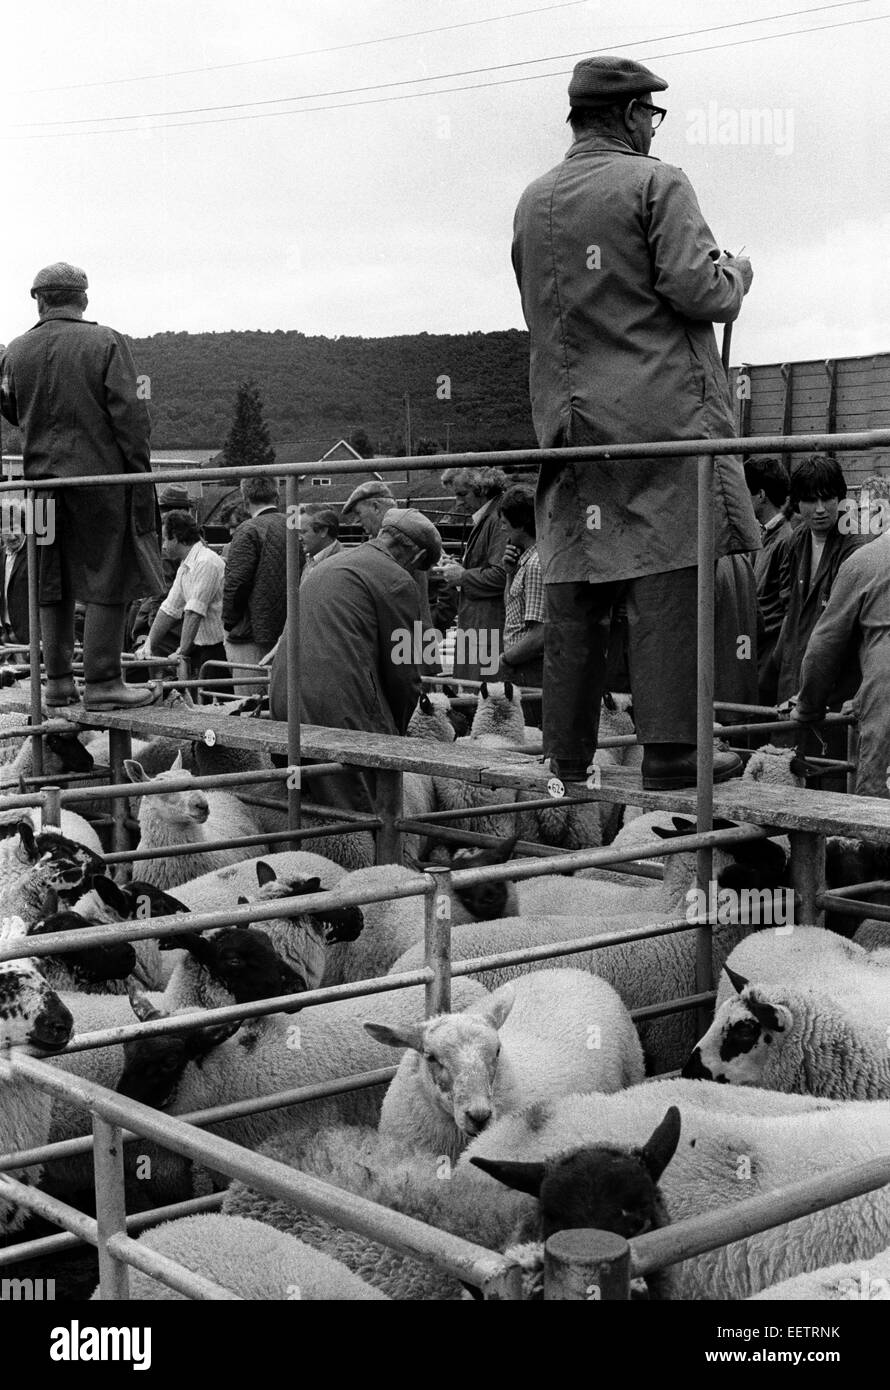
(602, 81)
(60, 276)
(418, 528)
(175, 497)
(364, 492)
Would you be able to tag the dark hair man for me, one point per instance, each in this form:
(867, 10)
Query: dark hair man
(767, 480)
(319, 529)
(255, 589)
(621, 281)
(195, 597)
(814, 555)
(71, 387)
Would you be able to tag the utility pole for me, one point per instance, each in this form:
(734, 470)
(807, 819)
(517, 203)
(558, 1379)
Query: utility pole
(448, 424)
(407, 440)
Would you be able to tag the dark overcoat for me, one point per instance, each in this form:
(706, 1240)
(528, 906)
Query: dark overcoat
(255, 593)
(620, 286)
(71, 387)
(807, 600)
(480, 610)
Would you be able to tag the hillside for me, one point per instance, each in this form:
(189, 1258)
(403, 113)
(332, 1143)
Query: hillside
(330, 387)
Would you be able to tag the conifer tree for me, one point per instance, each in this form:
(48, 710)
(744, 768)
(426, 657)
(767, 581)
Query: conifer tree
(248, 442)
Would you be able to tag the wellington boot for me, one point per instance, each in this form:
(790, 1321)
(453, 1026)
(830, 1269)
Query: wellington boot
(57, 637)
(103, 635)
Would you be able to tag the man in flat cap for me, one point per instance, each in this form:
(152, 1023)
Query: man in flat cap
(359, 615)
(71, 387)
(621, 282)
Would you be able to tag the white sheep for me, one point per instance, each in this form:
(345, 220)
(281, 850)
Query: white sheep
(248, 1258)
(806, 1012)
(31, 863)
(725, 1156)
(33, 1019)
(863, 1281)
(872, 935)
(642, 972)
(188, 817)
(379, 1168)
(392, 926)
(546, 1034)
(277, 1052)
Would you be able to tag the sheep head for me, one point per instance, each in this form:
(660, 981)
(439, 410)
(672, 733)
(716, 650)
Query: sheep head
(243, 960)
(113, 960)
(32, 1016)
(187, 807)
(484, 901)
(599, 1187)
(153, 1066)
(458, 1058)
(747, 1032)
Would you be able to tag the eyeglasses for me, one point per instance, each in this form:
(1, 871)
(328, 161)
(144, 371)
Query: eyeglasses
(658, 112)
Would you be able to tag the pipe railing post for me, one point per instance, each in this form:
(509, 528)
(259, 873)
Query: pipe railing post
(388, 806)
(34, 630)
(51, 808)
(852, 754)
(111, 1209)
(292, 629)
(437, 914)
(807, 876)
(586, 1266)
(120, 747)
(704, 858)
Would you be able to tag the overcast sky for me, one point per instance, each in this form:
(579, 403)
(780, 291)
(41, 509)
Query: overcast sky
(395, 217)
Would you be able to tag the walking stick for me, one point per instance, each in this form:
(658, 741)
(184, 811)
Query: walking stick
(727, 340)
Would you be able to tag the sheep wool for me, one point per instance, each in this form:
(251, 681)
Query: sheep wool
(863, 1281)
(250, 1259)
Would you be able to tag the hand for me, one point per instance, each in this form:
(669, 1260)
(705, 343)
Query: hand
(453, 574)
(512, 556)
(787, 708)
(144, 652)
(741, 264)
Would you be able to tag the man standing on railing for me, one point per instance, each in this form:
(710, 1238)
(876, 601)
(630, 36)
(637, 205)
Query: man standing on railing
(621, 280)
(71, 387)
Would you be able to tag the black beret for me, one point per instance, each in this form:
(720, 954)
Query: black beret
(602, 81)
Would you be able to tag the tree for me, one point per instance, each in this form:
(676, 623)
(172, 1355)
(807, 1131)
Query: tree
(361, 443)
(426, 445)
(248, 442)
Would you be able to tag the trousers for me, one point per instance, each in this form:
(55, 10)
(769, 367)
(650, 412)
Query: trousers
(661, 635)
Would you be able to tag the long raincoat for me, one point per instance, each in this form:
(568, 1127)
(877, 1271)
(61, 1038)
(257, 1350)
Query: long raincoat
(620, 287)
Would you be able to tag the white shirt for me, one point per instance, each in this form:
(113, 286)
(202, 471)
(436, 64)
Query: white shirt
(198, 588)
(312, 561)
(816, 554)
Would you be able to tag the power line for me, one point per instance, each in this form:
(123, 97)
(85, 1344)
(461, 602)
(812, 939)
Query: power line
(304, 53)
(438, 77)
(443, 91)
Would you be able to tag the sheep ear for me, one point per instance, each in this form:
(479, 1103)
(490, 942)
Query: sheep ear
(411, 1035)
(242, 901)
(662, 1143)
(50, 903)
(609, 701)
(498, 1007)
(176, 765)
(508, 689)
(684, 826)
(108, 892)
(196, 945)
(483, 690)
(265, 874)
(26, 835)
(738, 982)
(522, 1177)
(201, 1041)
(425, 704)
(303, 888)
(141, 1005)
(135, 771)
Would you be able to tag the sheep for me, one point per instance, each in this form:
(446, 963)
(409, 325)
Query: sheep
(268, 1054)
(182, 817)
(618, 1191)
(724, 1157)
(34, 1019)
(807, 1013)
(641, 972)
(250, 1259)
(392, 926)
(872, 935)
(863, 1280)
(31, 863)
(547, 1034)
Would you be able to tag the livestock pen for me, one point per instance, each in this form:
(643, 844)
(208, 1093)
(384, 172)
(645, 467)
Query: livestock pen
(807, 816)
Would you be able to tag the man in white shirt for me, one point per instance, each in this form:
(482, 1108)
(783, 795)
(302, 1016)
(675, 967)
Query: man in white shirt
(196, 595)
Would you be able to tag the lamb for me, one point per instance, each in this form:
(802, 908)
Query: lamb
(863, 1280)
(602, 1187)
(33, 1018)
(641, 972)
(268, 1054)
(176, 818)
(392, 926)
(807, 1013)
(31, 863)
(547, 1034)
(254, 1261)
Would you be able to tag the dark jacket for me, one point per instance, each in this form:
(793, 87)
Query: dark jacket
(17, 595)
(807, 600)
(255, 592)
(71, 387)
(771, 604)
(352, 609)
(620, 286)
(481, 606)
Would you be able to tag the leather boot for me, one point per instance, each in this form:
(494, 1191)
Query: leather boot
(103, 636)
(674, 766)
(57, 636)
